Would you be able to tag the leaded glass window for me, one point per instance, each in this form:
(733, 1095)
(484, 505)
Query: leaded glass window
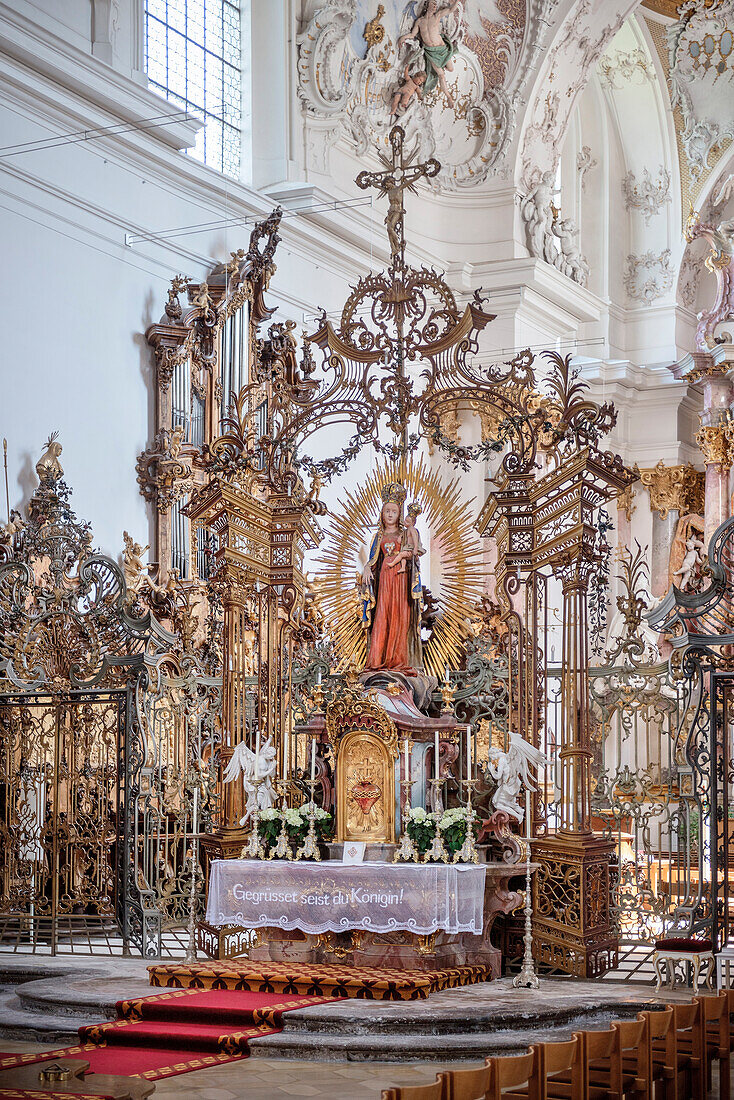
(192, 57)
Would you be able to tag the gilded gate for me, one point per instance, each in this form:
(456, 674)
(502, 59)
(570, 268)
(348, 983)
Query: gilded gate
(95, 802)
(59, 778)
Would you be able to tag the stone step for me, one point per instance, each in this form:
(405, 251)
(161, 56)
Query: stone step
(56, 1028)
(359, 1018)
(93, 998)
(327, 1046)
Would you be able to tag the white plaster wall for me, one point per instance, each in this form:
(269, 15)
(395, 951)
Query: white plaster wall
(76, 299)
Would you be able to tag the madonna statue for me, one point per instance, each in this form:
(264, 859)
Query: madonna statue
(390, 589)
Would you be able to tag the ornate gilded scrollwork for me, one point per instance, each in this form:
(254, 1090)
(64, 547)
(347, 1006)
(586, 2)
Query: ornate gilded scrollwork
(164, 472)
(357, 709)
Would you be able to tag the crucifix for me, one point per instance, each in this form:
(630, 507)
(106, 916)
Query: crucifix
(400, 175)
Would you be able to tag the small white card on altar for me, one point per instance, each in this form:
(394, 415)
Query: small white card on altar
(354, 851)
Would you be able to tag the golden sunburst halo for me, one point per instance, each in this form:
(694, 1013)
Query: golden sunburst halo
(454, 544)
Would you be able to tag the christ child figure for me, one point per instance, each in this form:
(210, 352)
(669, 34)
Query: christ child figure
(410, 87)
(412, 546)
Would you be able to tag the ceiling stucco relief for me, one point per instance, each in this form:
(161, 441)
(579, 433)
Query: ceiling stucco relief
(688, 281)
(585, 161)
(579, 42)
(701, 76)
(352, 61)
(619, 68)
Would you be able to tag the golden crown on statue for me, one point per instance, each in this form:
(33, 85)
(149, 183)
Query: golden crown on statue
(393, 493)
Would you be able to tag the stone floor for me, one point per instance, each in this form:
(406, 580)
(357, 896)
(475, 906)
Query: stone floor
(269, 1079)
(348, 1050)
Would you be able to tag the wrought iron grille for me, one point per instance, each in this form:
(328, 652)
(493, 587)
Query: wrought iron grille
(645, 797)
(61, 830)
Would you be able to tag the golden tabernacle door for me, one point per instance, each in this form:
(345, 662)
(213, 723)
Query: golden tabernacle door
(365, 744)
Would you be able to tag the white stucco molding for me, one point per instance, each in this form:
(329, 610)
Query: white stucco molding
(41, 51)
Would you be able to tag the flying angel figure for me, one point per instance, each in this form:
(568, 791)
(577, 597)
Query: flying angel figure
(242, 763)
(477, 13)
(511, 770)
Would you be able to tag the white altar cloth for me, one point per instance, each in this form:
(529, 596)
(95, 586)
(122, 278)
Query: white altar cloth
(334, 897)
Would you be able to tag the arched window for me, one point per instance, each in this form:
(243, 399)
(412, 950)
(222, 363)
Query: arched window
(193, 58)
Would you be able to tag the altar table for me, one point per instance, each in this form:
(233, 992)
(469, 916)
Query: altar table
(336, 897)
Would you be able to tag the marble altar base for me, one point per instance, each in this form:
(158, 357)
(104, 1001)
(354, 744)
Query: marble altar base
(399, 949)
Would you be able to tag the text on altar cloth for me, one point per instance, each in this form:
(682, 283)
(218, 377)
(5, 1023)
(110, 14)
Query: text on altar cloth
(335, 897)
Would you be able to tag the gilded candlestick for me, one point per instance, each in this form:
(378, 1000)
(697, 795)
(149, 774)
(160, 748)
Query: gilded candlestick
(437, 852)
(468, 852)
(406, 849)
(310, 847)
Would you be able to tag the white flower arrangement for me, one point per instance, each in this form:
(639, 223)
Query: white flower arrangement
(270, 814)
(417, 813)
(452, 816)
(319, 813)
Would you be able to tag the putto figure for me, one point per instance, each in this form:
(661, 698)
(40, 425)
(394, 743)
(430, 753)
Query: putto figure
(438, 50)
(412, 86)
(391, 599)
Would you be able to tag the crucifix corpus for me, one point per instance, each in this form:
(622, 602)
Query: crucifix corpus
(400, 175)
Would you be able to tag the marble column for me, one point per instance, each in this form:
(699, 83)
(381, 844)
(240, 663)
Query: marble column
(663, 533)
(716, 446)
(674, 491)
(715, 441)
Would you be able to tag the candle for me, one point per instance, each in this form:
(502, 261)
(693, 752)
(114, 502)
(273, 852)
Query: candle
(435, 756)
(468, 752)
(257, 753)
(286, 748)
(318, 678)
(407, 763)
(446, 674)
(194, 823)
(313, 761)
(527, 816)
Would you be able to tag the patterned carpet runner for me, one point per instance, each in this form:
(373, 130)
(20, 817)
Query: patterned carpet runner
(175, 1032)
(315, 979)
(213, 1009)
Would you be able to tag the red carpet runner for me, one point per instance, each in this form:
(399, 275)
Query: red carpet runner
(215, 1008)
(175, 1032)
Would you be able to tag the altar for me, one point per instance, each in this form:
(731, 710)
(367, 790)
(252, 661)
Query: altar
(417, 916)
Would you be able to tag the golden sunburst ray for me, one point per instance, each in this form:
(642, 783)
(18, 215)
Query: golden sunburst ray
(454, 543)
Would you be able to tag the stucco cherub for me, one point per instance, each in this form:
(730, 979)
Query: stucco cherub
(410, 88)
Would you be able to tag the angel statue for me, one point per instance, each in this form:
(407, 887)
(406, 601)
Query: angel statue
(242, 762)
(511, 770)
(438, 49)
(687, 553)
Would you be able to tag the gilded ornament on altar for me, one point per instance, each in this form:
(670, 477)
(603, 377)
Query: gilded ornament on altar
(715, 443)
(626, 501)
(374, 32)
(365, 783)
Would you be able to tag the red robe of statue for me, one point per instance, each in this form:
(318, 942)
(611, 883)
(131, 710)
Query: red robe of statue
(391, 622)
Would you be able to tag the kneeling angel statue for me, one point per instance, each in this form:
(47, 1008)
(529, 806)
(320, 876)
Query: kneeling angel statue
(511, 770)
(259, 796)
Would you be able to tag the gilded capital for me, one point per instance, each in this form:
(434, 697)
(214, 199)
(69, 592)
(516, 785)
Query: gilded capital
(716, 442)
(673, 488)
